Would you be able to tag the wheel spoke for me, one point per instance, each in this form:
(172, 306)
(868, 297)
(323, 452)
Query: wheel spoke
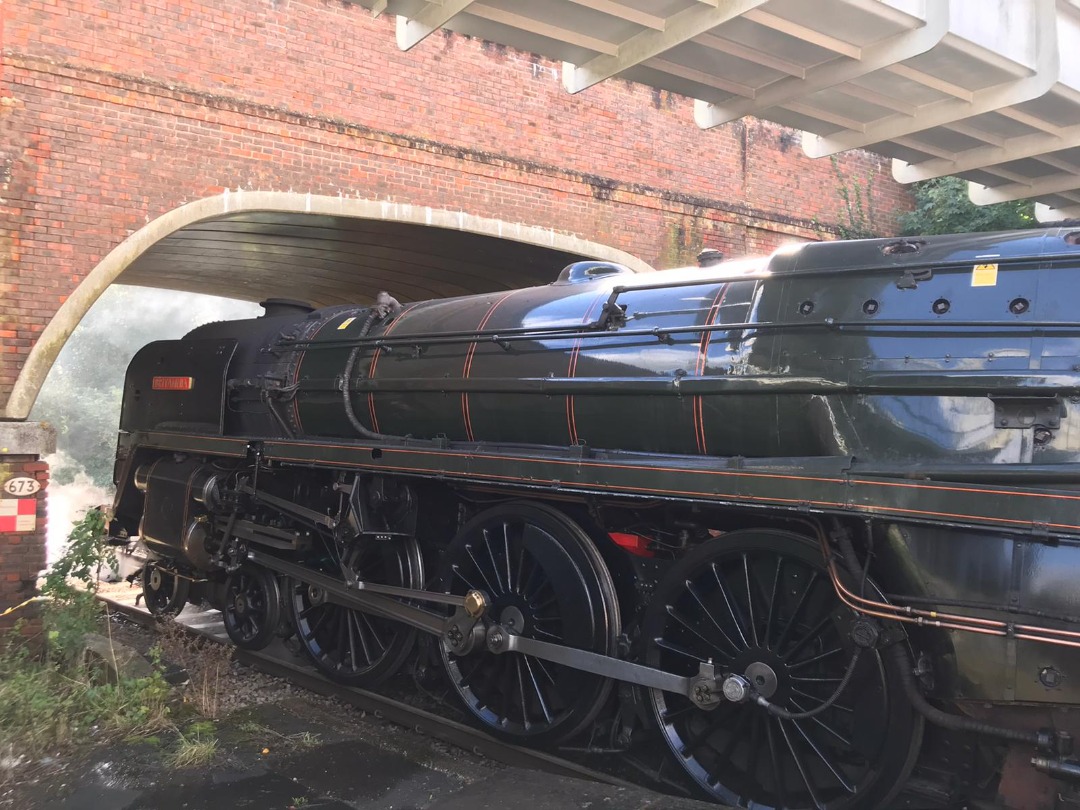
(814, 633)
(319, 622)
(799, 765)
(494, 562)
(774, 759)
(673, 613)
(773, 605)
(504, 690)
(794, 617)
(520, 578)
(664, 644)
(772, 601)
(754, 746)
(374, 633)
(457, 572)
(521, 693)
(537, 565)
(749, 599)
(480, 570)
(465, 678)
(838, 706)
(828, 763)
(840, 738)
(728, 603)
(697, 598)
(537, 631)
(536, 690)
(816, 658)
(510, 587)
(344, 636)
(547, 673)
(368, 658)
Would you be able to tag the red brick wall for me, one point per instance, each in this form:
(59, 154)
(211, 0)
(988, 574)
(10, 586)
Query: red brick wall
(22, 555)
(113, 113)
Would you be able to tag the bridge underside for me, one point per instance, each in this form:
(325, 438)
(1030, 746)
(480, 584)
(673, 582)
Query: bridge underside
(327, 260)
(322, 250)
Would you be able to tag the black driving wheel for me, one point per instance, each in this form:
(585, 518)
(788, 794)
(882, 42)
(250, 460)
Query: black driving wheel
(252, 607)
(351, 646)
(164, 592)
(760, 603)
(544, 579)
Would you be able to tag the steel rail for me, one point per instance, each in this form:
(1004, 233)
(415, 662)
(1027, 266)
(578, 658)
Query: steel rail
(419, 720)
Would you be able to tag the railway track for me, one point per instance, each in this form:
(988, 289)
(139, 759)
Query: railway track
(208, 625)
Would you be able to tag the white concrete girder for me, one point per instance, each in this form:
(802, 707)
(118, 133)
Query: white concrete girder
(1045, 213)
(1034, 145)
(1049, 138)
(1051, 184)
(934, 27)
(1038, 82)
(758, 57)
(647, 44)
(412, 31)
(619, 11)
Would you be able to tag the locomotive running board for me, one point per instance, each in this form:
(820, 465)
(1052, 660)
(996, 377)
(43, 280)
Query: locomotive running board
(703, 689)
(974, 496)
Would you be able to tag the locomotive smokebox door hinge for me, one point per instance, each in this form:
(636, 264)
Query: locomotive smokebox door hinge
(1026, 412)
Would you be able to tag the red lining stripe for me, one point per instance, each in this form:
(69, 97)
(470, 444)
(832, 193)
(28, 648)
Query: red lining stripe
(375, 362)
(468, 365)
(731, 496)
(296, 375)
(571, 417)
(702, 361)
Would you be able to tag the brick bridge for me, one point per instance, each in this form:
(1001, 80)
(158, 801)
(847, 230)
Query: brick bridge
(115, 114)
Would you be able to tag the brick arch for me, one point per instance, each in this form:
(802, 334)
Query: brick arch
(323, 220)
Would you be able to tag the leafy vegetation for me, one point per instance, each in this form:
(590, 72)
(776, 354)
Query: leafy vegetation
(856, 195)
(942, 206)
(50, 700)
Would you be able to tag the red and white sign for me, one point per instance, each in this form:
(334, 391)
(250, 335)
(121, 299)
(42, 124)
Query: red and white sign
(18, 514)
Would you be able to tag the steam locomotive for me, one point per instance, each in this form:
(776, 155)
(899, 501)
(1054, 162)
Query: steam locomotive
(801, 517)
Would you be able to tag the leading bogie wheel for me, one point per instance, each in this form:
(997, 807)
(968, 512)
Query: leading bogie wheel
(165, 592)
(760, 603)
(252, 611)
(544, 579)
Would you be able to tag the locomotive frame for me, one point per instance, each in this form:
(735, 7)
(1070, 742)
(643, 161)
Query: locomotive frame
(781, 620)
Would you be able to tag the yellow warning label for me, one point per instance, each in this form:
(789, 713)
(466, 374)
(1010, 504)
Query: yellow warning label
(984, 275)
(345, 323)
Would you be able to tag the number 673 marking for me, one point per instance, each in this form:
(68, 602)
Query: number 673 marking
(21, 486)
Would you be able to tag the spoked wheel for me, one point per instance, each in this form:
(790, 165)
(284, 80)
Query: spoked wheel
(544, 579)
(350, 646)
(252, 607)
(760, 603)
(164, 593)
